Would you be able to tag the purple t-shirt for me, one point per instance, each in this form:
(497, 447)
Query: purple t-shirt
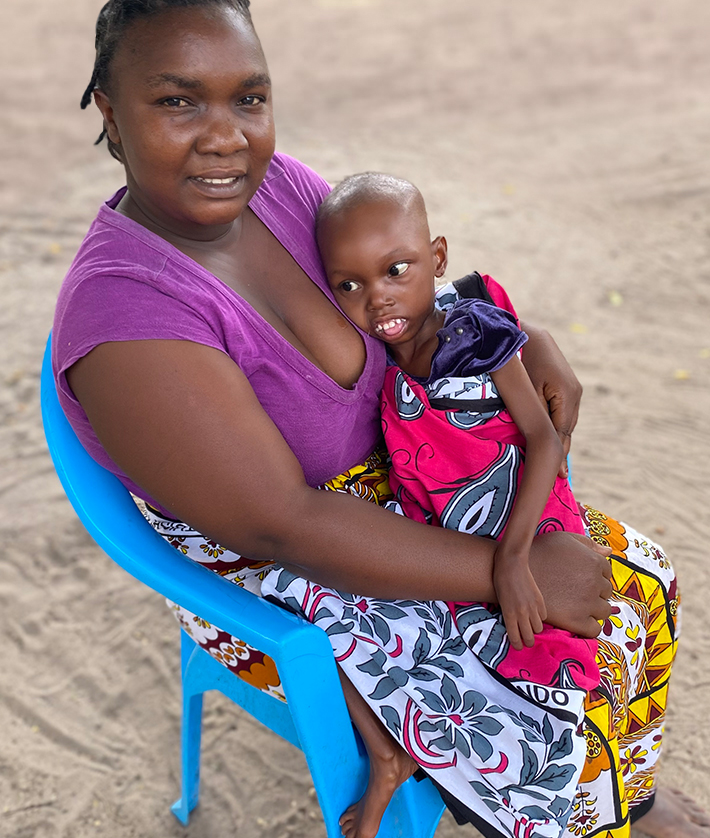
(127, 283)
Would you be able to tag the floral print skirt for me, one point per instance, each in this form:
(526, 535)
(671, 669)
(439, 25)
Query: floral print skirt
(515, 758)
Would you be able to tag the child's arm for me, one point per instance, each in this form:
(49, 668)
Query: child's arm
(520, 599)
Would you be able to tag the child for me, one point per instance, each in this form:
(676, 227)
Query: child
(459, 415)
(456, 461)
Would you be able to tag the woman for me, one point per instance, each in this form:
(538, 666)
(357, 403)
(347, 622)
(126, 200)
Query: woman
(200, 357)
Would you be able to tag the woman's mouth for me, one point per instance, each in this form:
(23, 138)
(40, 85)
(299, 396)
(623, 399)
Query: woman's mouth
(390, 329)
(217, 179)
(227, 186)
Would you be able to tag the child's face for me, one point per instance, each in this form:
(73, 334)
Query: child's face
(381, 266)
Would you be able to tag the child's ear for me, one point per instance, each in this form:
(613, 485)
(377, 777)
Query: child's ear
(439, 250)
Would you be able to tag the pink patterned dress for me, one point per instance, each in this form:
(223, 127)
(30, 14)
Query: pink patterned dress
(457, 462)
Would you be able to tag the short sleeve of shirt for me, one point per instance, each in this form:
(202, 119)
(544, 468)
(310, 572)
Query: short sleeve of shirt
(447, 295)
(476, 338)
(110, 308)
(127, 284)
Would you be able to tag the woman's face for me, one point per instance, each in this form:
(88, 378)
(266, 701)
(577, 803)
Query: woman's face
(189, 108)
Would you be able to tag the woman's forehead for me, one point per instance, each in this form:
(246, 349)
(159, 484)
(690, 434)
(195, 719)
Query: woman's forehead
(187, 43)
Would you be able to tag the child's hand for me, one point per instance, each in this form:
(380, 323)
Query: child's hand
(520, 599)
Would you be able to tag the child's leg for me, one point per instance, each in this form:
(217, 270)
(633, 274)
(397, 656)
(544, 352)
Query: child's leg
(390, 766)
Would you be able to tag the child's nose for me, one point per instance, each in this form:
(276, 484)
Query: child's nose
(379, 298)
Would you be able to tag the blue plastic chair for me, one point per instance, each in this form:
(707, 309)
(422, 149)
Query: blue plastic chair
(314, 718)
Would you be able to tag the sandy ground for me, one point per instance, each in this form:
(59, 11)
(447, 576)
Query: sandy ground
(562, 147)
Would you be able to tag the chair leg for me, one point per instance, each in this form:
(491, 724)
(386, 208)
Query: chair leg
(414, 812)
(191, 736)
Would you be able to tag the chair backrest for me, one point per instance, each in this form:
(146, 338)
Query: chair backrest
(112, 518)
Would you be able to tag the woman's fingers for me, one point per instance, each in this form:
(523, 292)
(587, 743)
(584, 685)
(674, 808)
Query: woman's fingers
(590, 629)
(573, 577)
(602, 549)
(603, 609)
(563, 398)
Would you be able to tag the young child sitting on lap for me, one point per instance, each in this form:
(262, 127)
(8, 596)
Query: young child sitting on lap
(459, 412)
(472, 447)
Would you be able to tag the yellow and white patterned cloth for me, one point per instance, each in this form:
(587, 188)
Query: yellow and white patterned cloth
(621, 728)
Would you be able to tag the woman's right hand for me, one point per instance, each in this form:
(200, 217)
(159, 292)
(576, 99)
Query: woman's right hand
(573, 574)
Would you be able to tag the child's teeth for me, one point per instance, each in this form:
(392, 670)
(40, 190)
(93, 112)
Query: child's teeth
(382, 327)
(217, 179)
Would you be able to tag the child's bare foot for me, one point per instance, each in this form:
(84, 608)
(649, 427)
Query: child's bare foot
(674, 815)
(390, 766)
(388, 770)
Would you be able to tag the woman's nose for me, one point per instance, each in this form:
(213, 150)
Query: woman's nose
(222, 134)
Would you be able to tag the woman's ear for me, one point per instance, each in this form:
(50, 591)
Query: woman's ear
(104, 105)
(439, 250)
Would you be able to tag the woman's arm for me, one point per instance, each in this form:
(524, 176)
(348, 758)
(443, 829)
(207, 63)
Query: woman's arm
(182, 421)
(556, 384)
(521, 602)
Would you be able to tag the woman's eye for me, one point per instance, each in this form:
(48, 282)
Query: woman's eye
(398, 268)
(348, 286)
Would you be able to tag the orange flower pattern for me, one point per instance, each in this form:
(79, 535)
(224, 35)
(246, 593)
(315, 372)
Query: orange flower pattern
(636, 651)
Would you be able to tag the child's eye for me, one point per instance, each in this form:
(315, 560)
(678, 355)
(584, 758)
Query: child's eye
(398, 268)
(175, 102)
(348, 286)
(252, 100)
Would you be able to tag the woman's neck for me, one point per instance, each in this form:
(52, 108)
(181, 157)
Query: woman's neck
(208, 240)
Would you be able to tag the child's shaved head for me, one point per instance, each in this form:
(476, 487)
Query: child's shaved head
(371, 186)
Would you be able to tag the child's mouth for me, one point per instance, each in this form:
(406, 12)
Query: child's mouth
(390, 329)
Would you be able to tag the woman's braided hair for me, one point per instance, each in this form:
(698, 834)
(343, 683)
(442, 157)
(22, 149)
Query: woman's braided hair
(113, 20)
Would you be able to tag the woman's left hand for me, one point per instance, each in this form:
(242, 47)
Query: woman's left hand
(556, 384)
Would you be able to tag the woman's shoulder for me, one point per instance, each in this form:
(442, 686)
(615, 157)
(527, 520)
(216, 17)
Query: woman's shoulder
(293, 183)
(126, 283)
(118, 259)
